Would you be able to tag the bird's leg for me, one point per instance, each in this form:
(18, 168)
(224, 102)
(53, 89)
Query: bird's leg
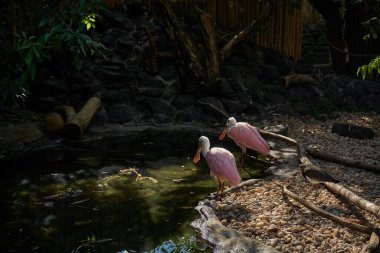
(219, 187)
(221, 193)
(242, 159)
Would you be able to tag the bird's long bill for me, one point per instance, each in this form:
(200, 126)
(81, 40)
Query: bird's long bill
(223, 134)
(197, 157)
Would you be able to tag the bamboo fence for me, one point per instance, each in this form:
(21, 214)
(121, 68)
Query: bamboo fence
(283, 30)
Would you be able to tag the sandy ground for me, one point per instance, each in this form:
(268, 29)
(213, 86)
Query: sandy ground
(262, 212)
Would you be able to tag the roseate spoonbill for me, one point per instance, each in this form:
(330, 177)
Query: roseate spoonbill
(245, 136)
(221, 163)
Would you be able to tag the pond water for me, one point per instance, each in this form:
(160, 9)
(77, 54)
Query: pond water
(115, 194)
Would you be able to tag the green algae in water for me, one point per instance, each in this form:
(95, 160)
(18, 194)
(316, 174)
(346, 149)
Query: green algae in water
(79, 200)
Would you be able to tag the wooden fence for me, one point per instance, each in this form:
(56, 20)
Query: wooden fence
(284, 27)
(283, 32)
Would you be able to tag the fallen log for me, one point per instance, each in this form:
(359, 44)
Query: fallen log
(348, 162)
(224, 239)
(373, 244)
(55, 121)
(279, 137)
(338, 189)
(353, 198)
(66, 111)
(78, 124)
(298, 79)
(334, 218)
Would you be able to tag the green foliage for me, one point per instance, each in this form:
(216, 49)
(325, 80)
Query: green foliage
(371, 71)
(373, 27)
(325, 109)
(33, 51)
(65, 29)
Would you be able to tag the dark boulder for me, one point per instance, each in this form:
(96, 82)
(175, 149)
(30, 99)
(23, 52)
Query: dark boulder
(353, 131)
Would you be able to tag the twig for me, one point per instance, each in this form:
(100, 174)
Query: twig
(373, 244)
(336, 159)
(336, 219)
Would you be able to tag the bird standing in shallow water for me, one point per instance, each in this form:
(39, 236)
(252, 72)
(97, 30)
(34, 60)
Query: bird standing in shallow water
(221, 163)
(245, 136)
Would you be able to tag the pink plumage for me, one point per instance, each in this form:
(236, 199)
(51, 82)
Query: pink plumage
(247, 136)
(222, 165)
(220, 161)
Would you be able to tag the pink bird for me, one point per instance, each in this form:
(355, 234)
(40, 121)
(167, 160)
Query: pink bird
(221, 163)
(245, 136)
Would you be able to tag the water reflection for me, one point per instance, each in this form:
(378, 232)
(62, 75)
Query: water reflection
(76, 198)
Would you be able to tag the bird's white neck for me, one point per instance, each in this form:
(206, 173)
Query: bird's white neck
(205, 149)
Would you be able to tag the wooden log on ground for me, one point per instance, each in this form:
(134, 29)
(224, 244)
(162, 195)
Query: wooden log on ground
(334, 218)
(222, 238)
(298, 79)
(336, 159)
(66, 111)
(278, 137)
(373, 244)
(54, 123)
(78, 124)
(353, 198)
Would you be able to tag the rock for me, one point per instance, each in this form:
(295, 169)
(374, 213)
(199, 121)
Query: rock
(159, 106)
(168, 72)
(302, 107)
(269, 72)
(273, 228)
(117, 95)
(121, 113)
(277, 129)
(183, 101)
(353, 131)
(224, 88)
(232, 106)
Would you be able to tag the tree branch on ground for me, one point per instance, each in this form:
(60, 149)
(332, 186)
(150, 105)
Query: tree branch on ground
(321, 212)
(345, 161)
(353, 198)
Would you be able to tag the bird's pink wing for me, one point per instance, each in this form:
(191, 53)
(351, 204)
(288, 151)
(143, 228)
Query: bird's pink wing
(222, 164)
(248, 136)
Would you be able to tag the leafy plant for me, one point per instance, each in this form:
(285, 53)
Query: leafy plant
(373, 27)
(372, 69)
(64, 30)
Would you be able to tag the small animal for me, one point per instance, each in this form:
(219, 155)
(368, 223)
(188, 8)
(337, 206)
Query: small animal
(245, 136)
(221, 163)
(315, 175)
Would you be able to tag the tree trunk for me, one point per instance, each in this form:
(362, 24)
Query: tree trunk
(329, 9)
(345, 33)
